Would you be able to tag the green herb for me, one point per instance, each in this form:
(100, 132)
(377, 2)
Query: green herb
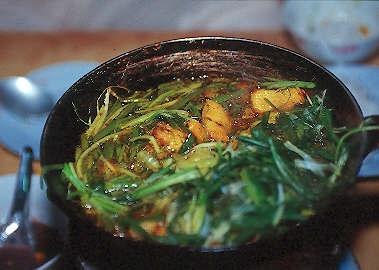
(188, 144)
(231, 95)
(176, 178)
(280, 84)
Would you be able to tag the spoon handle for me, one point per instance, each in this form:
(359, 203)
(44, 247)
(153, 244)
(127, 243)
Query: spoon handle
(21, 193)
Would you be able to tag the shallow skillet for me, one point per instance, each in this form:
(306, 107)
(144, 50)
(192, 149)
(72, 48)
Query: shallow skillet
(185, 58)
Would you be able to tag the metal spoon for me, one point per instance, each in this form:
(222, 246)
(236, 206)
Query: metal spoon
(16, 240)
(23, 97)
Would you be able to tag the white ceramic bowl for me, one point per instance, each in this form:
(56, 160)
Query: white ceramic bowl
(334, 31)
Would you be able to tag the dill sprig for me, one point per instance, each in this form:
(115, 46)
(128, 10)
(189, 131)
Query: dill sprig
(273, 83)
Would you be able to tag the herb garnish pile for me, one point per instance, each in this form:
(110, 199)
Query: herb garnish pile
(206, 194)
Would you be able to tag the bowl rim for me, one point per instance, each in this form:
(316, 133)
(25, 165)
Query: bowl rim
(207, 38)
(220, 38)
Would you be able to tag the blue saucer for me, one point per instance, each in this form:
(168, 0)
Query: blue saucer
(15, 131)
(363, 81)
(348, 262)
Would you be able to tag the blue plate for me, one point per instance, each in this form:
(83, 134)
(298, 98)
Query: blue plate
(363, 82)
(348, 262)
(15, 131)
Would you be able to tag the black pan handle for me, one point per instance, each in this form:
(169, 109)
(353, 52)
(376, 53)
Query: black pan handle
(371, 145)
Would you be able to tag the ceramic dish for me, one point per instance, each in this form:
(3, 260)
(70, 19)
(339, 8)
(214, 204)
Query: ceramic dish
(333, 31)
(15, 131)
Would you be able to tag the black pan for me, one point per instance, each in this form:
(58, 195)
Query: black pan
(185, 58)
